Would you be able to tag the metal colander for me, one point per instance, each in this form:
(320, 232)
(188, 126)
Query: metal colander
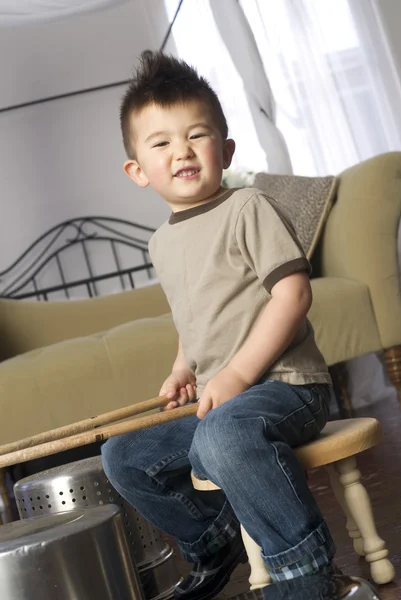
(84, 484)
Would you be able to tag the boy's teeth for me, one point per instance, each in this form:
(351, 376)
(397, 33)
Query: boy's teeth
(187, 173)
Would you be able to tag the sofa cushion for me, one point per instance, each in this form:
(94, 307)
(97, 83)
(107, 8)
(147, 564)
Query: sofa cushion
(307, 201)
(86, 376)
(343, 319)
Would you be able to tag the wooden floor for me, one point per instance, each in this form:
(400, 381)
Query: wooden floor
(381, 474)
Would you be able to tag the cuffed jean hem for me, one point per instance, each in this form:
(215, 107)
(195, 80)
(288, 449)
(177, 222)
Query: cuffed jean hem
(223, 529)
(319, 538)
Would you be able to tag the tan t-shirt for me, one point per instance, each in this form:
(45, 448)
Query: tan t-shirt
(217, 263)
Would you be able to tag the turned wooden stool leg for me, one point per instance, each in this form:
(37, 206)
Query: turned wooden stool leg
(392, 360)
(259, 574)
(351, 526)
(358, 503)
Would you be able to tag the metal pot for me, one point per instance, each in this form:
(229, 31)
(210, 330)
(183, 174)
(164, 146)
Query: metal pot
(84, 484)
(65, 556)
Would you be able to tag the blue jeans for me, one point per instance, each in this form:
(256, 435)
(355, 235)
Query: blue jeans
(245, 447)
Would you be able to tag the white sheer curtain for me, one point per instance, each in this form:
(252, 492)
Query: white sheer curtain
(256, 86)
(14, 13)
(326, 64)
(333, 105)
(198, 41)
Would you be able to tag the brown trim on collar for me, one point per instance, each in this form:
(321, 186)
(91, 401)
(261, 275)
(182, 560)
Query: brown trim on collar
(183, 215)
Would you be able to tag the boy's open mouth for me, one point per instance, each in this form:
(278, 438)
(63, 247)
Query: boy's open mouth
(186, 173)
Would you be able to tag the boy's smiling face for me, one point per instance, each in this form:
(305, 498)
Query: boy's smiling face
(179, 152)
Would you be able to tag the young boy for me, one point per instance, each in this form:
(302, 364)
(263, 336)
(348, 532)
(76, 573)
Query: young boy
(237, 282)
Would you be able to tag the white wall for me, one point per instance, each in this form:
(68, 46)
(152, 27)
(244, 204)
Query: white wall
(63, 158)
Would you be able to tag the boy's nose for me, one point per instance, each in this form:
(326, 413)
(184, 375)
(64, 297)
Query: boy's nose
(183, 152)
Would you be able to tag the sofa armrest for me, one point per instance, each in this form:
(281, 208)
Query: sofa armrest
(360, 237)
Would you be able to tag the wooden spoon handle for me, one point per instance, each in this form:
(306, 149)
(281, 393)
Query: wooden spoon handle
(99, 435)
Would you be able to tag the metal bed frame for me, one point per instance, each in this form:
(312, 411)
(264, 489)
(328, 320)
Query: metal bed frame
(88, 237)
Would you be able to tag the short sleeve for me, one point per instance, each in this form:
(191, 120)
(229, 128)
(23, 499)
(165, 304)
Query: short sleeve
(267, 241)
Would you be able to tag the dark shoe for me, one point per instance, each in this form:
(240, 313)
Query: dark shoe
(208, 578)
(315, 587)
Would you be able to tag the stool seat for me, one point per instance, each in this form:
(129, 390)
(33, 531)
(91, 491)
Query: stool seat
(338, 440)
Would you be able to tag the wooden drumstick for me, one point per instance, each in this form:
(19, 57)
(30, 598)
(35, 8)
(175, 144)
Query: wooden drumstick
(99, 435)
(86, 425)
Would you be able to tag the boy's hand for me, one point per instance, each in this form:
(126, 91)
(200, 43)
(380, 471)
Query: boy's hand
(221, 388)
(180, 387)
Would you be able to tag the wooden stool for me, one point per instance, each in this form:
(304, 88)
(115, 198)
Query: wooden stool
(336, 448)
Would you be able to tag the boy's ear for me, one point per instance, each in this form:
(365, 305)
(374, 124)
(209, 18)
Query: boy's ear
(134, 172)
(228, 152)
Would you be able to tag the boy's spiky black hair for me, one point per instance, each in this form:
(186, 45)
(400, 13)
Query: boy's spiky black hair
(164, 81)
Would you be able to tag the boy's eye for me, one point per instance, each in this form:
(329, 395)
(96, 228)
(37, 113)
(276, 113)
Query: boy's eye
(197, 135)
(160, 144)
